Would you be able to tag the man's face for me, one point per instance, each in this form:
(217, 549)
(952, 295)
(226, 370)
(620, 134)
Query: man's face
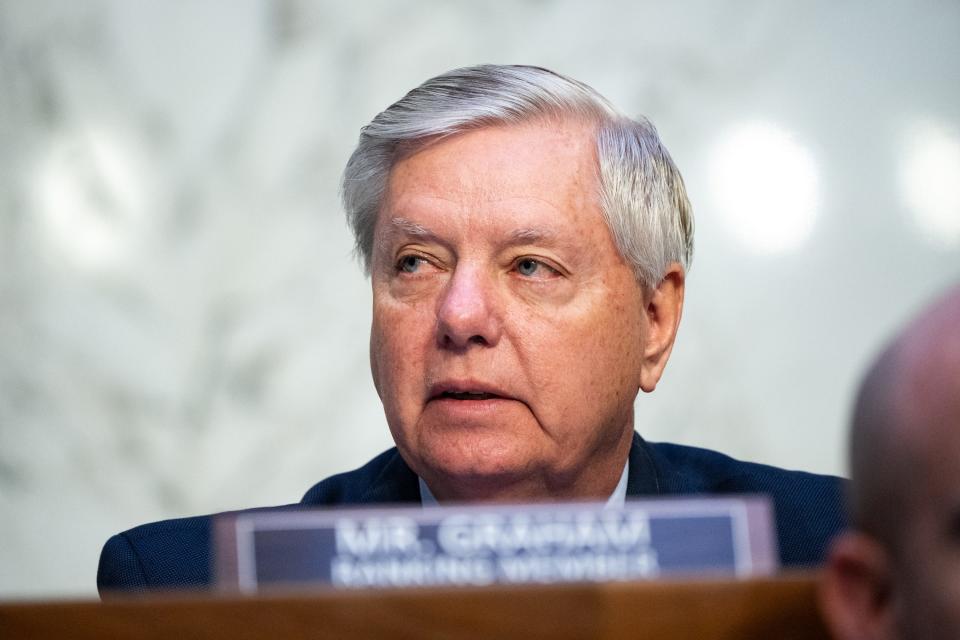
(508, 337)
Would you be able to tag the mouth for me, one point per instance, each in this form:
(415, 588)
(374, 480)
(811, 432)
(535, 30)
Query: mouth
(468, 395)
(466, 390)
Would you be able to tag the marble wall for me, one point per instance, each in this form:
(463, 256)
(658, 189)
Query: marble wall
(182, 326)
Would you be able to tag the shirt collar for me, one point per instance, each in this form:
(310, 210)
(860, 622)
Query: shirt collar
(616, 499)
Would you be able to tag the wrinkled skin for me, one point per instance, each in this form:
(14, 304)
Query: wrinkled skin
(495, 274)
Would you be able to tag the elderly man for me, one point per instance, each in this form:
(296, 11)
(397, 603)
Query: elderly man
(527, 247)
(897, 573)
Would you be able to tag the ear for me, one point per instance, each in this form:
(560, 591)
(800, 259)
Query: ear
(855, 594)
(664, 305)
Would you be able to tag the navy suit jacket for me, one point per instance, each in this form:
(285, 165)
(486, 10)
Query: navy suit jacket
(808, 509)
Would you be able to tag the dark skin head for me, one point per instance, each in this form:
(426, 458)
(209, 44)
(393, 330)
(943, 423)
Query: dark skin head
(897, 573)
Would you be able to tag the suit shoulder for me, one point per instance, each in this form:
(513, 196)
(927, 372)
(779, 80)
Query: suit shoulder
(178, 553)
(808, 507)
(167, 554)
(385, 473)
(685, 469)
(119, 566)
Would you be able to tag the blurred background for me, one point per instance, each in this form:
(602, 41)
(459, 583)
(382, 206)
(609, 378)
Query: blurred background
(182, 326)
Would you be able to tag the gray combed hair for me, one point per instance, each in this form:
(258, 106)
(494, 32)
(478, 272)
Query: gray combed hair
(641, 191)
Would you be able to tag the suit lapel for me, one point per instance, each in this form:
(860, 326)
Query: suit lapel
(643, 478)
(396, 483)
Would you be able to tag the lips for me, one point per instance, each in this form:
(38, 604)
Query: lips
(467, 395)
(466, 390)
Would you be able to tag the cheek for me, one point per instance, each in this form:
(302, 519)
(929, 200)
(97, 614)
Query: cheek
(585, 359)
(397, 339)
(610, 345)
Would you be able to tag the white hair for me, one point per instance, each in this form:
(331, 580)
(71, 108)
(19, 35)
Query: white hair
(642, 195)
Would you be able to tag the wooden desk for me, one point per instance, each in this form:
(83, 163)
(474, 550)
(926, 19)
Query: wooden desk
(768, 609)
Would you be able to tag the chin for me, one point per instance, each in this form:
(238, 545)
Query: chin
(488, 475)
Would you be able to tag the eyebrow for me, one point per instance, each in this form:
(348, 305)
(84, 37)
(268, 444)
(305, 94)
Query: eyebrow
(517, 236)
(532, 236)
(411, 228)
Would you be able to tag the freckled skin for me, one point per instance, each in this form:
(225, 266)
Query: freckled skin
(493, 264)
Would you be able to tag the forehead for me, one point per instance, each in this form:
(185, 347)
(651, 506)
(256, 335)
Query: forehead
(542, 169)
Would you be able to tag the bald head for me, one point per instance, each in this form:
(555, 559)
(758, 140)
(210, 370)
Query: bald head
(907, 407)
(896, 575)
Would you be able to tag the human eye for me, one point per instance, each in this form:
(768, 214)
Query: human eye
(535, 269)
(415, 264)
(409, 263)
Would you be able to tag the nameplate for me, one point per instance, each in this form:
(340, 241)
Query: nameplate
(495, 544)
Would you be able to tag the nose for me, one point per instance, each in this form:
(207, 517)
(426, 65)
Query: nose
(468, 312)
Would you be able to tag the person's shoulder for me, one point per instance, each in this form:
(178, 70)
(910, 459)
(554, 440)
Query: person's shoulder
(384, 480)
(808, 507)
(177, 553)
(687, 469)
(173, 553)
